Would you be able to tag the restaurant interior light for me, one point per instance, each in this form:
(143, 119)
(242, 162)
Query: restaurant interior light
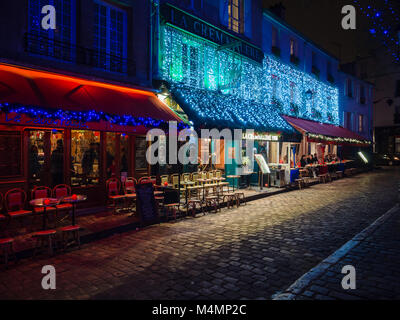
(362, 157)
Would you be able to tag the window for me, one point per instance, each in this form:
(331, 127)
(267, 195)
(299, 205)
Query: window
(109, 36)
(236, 15)
(53, 43)
(349, 88)
(10, 145)
(362, 95)
(348, 120)
(397, 144)
(314, 59)
(275, 38)
(293, 48)
(360, 123)
(85, 158)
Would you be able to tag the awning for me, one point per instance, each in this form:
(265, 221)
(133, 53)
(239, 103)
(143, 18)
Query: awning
(211, 109)
(49, 90)
(328, 133)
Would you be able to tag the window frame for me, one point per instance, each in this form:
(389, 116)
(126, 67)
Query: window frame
(236, 24)
(108, 53)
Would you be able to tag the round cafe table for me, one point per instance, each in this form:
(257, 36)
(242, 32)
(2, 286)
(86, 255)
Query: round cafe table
(72, 200)
(44, 203)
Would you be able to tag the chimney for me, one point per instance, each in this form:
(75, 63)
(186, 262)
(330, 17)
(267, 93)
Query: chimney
(279, 10)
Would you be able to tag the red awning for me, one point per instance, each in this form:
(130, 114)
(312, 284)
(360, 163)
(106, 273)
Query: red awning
(327, 132)
(50, 90)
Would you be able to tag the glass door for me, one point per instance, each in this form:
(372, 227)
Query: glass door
(45, 158)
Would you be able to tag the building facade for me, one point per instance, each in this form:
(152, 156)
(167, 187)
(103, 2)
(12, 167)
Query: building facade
(75, 101)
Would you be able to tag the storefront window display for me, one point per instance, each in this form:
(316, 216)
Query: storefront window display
(85, 150)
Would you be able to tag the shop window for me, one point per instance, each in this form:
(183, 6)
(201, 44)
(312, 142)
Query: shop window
(111, 165)
(140, 154)
(236, 15)
(10, 145)
(45, 158)
(110, 33)
(85, 157)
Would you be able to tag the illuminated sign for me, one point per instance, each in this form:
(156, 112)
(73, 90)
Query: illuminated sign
(185, 21)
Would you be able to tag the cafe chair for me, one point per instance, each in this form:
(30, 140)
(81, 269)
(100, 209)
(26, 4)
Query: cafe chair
(175, 180)
(60, 191)
(70, 235)
(15, 200)
(144, 180)
(2, 216)
(7, 246)
(42, 192)
(129, 191)
(164, 178)
(45, 238)
(113, 192)
(185, 177)
(194, 205)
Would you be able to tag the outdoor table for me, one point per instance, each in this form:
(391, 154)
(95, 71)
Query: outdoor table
(44, 203)
(72, 200)
(234, 177)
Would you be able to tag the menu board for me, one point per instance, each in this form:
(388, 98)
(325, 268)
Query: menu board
(262, 164)
(146, 206)
(140, 154)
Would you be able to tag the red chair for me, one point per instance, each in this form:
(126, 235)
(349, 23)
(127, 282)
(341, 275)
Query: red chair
(61, 191)
(2, 216)
(7, 247)
(113, 191)
(129, 185)
(143, 180)
(15, 202)
(42, 192)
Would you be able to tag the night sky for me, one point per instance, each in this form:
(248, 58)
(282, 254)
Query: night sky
(320, 20)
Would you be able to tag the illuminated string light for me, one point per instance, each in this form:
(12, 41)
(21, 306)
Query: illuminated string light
(62, 116)
(225, 88)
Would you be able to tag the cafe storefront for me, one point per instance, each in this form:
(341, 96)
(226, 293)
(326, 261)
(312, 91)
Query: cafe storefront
(58, 129)
(218, 80)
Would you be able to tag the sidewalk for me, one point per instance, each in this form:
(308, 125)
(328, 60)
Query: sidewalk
(375, 255)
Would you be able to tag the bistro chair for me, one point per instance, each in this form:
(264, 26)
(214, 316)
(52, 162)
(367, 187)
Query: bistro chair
(70, 235)
(113, 192)
(7, 246)
(143, 180)
(175, 180)
(129, 191)
(2, 216)
(45, 238)
(15, 200)
(164, 179)
(185, 176)
(42, 192)
(60, 191)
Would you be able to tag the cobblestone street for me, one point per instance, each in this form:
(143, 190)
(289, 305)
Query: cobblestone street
(251, 252)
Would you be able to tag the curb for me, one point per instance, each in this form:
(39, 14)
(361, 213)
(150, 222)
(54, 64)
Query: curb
(300, 284)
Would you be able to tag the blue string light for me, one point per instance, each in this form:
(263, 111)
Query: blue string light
(85, 116)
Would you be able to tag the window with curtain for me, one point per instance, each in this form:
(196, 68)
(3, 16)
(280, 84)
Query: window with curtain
(236, 15)
(109, 37)
(53, 43)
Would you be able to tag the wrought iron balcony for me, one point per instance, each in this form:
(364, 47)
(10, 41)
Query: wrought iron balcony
(40, 45)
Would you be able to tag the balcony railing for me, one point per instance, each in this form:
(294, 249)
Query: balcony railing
(40, 45)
